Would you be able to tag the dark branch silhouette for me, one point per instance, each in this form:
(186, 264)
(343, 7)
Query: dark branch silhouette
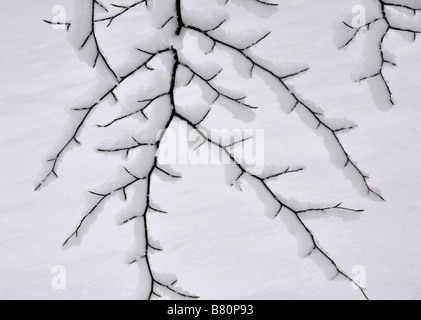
(170, 95)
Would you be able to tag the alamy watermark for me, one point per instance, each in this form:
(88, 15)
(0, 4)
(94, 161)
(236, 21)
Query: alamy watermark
(58, 281)
(360, 18)
(359, 278)
(245, 147)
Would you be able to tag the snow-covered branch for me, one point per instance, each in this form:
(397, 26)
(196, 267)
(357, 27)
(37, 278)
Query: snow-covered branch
(282, 204)
(299, 102)
(390, 24)
(166, 93)
(88, 110)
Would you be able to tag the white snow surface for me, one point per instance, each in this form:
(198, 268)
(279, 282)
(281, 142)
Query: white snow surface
(219, 241)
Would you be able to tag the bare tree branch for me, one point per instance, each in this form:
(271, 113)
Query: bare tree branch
(127, 150)
(111, 18)
(103, 197)
(218, 93)
(66, 24)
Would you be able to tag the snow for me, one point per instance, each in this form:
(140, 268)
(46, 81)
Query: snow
(222, 238)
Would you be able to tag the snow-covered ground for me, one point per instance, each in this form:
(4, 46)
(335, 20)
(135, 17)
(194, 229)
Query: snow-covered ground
(219, 241)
